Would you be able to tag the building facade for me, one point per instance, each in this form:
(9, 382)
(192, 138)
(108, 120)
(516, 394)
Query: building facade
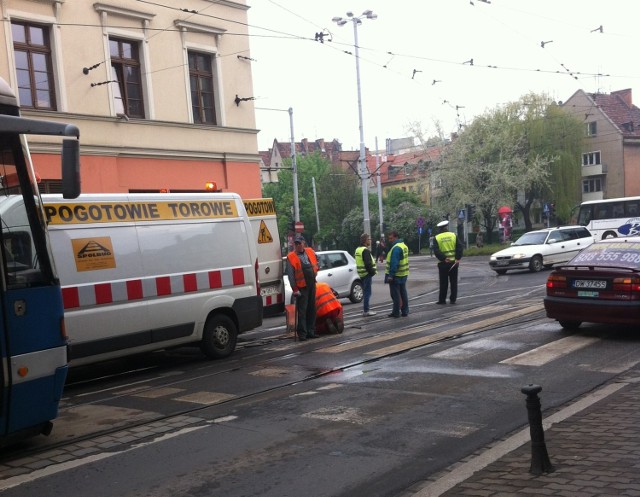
(162, 95)
(411, 172)
(611, 154)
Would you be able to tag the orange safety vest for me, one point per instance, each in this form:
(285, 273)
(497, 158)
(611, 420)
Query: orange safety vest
(325, 300)
(294, 260)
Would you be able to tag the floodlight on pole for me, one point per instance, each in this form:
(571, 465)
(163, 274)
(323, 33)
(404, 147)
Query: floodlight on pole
(363, 171)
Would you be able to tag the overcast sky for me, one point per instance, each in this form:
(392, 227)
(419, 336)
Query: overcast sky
(437, 39)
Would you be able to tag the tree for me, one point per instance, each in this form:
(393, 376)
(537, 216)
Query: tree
(530, 146)
(336, 194)
(482, 166)
(553, 137)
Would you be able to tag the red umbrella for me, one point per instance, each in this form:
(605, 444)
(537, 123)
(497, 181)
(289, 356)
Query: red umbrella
(505, 210)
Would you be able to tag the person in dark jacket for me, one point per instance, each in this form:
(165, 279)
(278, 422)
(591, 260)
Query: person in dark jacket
(302, 269)
(448, 249)
(396, 274)
(367, 269)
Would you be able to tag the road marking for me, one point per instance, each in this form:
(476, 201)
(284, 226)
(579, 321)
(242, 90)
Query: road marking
(156, 393)
(418, 342)
(551, 351)
(338, 413)
(411, 331)
(271, 372)
(206, 398)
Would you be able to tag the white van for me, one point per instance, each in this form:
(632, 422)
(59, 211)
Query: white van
(262, 212)
(142, 272)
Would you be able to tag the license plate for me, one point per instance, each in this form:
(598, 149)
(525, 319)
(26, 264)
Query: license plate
(269, 290)
(502, 263)
(590, 284)
(584, 293)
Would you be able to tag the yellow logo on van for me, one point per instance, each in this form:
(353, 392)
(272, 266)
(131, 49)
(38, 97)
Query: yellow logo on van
(264, 235)
(93, 254)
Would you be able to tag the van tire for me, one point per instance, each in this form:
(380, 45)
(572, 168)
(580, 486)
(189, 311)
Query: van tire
(219, 337)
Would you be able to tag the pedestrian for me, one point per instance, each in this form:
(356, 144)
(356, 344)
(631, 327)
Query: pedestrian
(479, 241)
(448, 250)
(431, 245)
(367, 269)
(396, 274)
(381, 252)
(329, 317)
(302, 268)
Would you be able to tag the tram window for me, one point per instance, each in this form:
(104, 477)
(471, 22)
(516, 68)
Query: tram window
(18, 251)
(21, 264)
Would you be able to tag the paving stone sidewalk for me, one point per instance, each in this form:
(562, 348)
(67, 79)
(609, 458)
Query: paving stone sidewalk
(595, 452)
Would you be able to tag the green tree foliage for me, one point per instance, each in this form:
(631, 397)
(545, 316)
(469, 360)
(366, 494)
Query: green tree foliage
(397, 196)
(481, 167)
(335, 191)
(553, 137)
(338, 194)
(528, 147)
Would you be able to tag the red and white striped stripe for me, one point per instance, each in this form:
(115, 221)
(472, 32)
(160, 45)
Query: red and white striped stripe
(157, 286)
(268, 300)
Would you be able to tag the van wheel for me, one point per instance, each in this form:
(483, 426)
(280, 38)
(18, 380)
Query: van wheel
(570, 325)
(357, 292)
(219, 337)
(501, 271)
(536, 264)
(609, 234)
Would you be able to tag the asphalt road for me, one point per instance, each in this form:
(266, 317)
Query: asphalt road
(371, 412)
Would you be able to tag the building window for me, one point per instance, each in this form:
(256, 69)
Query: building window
(125, 69)
(591, 185)
(201, 80)
(32, 51)
(591, 159)
(592, 128)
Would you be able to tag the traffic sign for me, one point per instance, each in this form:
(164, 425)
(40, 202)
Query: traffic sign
(420, 222)
(299, 225)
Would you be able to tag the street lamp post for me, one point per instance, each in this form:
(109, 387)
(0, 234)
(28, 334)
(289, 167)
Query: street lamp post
(362, 161)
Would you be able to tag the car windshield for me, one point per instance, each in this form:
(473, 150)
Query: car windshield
(532, 238)
(616, 254)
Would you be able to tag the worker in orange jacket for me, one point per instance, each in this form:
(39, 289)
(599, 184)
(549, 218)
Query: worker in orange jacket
(328, 310)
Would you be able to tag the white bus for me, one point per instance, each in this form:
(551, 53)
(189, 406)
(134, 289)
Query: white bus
(612, 217)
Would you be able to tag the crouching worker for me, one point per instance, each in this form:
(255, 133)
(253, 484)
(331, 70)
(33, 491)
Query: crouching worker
(328, 310)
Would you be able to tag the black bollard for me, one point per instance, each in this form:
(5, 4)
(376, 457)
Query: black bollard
(540, 462)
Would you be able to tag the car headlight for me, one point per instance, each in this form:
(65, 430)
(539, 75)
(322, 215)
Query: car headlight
(518, 256)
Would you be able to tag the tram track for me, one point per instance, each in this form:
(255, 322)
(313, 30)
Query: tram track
(495, 319)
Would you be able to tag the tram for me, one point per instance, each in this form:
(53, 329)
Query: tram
(33, 343)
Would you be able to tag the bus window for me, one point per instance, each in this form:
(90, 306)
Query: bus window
(633, 208)
(617, 209)
(602, 211)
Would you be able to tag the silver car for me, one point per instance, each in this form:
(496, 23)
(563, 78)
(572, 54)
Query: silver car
(337, 268)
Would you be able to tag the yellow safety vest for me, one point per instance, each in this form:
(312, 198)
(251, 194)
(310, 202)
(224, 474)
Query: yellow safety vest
(362, 270)
(447, 243)
(403, 265)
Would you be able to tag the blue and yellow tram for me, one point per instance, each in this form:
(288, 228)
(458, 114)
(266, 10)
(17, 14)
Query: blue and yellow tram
(33, 344)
